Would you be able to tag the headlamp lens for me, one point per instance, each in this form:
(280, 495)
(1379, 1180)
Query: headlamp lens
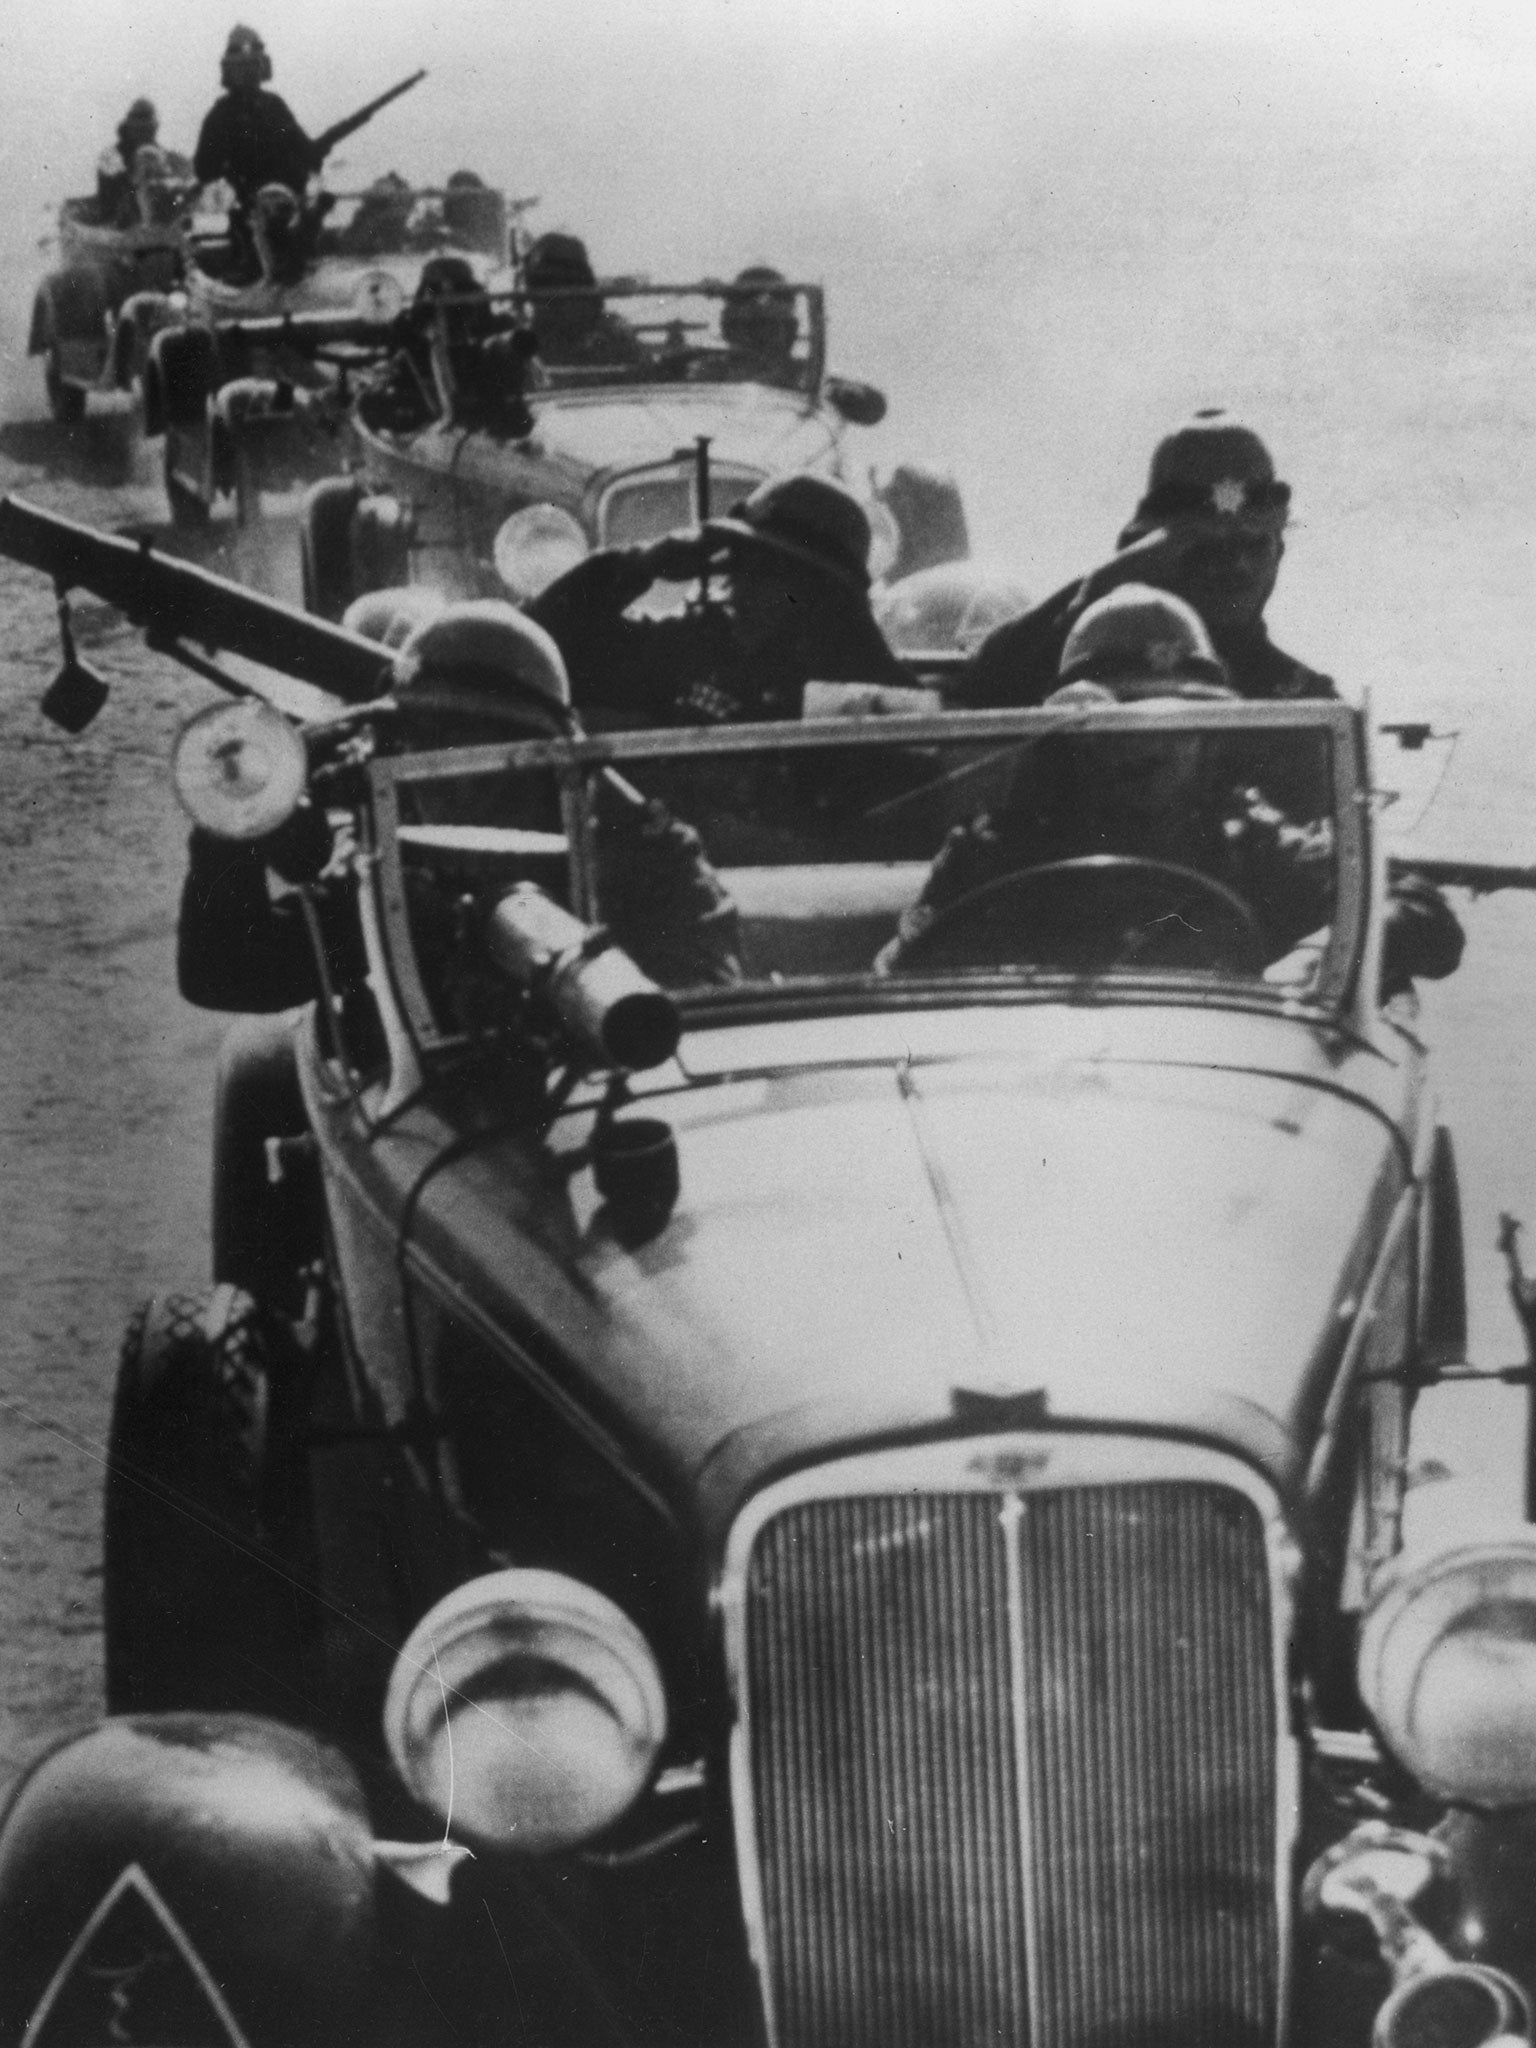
(535, 546)
(526, 1711)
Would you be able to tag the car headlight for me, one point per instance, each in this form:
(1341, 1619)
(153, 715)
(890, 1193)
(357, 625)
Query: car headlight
(1448, 1670)
(534, 546)
(526, 1711)
(239, 769)
(378, 296)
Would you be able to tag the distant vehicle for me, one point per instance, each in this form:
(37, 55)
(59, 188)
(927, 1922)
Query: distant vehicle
(478, 470)
(224, 329)
(859, 1505)
(77, 326)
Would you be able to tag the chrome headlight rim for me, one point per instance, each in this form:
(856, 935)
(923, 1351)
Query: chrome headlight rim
(488, 1660)
(1447, 1669)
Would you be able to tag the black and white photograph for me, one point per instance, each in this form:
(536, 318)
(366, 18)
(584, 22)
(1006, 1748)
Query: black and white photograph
(768, 1200)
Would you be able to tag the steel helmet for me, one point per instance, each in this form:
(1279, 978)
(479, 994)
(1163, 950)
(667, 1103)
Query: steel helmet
(186, 1877)
(392, 616)
(484, 657)
(140, 124)
(1143, 642)
(810, 520)
(759, 315)
(1212, 468)
(245, 54)
(949, 607)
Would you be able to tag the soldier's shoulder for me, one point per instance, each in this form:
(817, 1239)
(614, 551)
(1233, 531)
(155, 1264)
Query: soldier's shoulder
(1274, 673)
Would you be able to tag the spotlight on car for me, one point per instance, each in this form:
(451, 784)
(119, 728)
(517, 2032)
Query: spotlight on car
(239, 769)
(378, 296)
(1448, 1671)
(525, 1711)
(535, 546)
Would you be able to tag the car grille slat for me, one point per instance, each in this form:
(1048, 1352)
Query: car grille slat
(1013, 1758)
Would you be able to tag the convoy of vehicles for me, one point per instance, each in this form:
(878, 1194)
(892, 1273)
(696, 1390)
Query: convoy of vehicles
(855, 1502)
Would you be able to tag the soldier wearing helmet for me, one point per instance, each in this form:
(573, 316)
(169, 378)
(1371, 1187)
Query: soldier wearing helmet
(791, 563)
(116, 196)
(759, 325)
(1210, 529)
(468, 674)
(1126, 815)
(572, 323)
(249, 137)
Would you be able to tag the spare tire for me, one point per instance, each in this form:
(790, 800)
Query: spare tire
(208, 1589)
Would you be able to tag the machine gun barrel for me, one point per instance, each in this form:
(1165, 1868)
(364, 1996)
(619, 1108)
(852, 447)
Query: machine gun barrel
(1482, 877)
(326, 142)
(174, 601)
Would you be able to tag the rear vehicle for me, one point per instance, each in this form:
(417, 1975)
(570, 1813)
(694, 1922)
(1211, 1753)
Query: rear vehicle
(654, 420)
(867, 1493)
(78, 325)
(222, 339)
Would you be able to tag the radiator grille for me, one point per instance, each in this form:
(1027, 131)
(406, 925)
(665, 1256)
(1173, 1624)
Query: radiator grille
(1013, 1758)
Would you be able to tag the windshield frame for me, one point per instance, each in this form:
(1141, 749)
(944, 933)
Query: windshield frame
(573, 761)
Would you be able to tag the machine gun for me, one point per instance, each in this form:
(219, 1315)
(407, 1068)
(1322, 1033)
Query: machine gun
(340, 130)
(181, 609)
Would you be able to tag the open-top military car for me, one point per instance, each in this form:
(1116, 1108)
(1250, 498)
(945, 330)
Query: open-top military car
(849, 1497)
(231, 329)
(103, 265)
(489, 442)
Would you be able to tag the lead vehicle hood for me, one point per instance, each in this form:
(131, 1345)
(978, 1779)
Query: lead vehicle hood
(1130, 1240)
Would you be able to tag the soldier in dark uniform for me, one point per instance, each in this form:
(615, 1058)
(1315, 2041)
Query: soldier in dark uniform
(1162, 800)
(574, 326)
(250, 137)
(1209, 529)
(116, 197)
(792, 564)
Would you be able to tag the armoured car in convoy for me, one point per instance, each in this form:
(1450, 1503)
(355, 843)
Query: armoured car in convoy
(856, 1501)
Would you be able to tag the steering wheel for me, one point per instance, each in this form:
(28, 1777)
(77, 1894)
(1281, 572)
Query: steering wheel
(1099, 911)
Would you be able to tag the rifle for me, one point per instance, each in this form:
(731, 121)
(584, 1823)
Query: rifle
(326, 142)
(181, 608)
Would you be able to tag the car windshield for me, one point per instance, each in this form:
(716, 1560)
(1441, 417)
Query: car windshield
(625, 332)
(1206, 850)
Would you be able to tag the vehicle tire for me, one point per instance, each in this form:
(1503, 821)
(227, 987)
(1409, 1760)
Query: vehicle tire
(190, 512)
(325, 545)
(207, 1585)
(66, 401)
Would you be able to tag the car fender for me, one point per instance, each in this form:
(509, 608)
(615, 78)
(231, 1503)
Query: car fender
(230, 1859)
(140, 318)
(185, 360)
(72, 305)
